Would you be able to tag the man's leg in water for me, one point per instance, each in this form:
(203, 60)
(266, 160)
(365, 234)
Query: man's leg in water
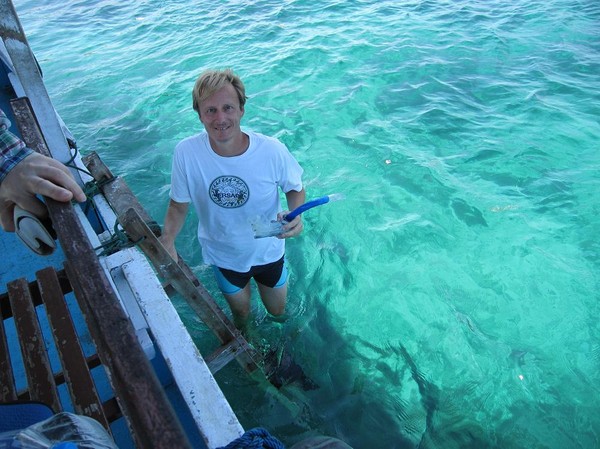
(239, 303)
(273, 298)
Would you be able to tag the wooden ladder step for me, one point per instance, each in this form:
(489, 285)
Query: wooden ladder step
(226, 353)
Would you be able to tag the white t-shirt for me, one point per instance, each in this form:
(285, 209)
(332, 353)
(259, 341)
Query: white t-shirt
(227, 192)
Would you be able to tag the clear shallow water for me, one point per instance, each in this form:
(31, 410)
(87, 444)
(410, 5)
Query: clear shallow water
(452, 299)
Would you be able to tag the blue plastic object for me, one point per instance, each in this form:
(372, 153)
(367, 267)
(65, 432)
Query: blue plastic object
(274, 228)
(310, 204)
(19, 415)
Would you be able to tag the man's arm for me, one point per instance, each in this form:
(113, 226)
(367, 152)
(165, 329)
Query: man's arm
(174, 220)
(294, 199)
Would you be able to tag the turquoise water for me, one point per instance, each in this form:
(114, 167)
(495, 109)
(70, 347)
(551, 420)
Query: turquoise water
(452, 300)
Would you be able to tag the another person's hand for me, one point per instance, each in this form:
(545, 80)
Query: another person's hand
(35, 175)
(291, 229)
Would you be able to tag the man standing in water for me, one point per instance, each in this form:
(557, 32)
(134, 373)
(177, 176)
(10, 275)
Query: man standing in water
(231, 176)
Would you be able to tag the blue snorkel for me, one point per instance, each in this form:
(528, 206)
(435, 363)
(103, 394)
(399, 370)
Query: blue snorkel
(273, 228)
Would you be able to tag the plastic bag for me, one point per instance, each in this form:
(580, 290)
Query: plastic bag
(55, 432)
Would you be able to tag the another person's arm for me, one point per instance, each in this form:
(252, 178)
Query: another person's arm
(25, 174)
(174, 220)
(294, 199)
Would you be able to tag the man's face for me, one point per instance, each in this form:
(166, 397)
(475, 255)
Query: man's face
(221, 115)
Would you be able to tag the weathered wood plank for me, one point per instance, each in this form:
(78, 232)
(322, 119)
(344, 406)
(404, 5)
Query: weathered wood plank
(196, 295)
(40, 380)
(117, 192)
(5, 309)
(223, 355)
(8, 390)
(97, 168)
(92, 361)
(77, 377)
(150, 415)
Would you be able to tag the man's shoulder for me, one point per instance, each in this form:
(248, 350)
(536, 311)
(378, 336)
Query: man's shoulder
(190, 143)
(260, 138)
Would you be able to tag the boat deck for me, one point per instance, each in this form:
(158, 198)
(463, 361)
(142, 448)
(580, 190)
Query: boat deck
(49, 300)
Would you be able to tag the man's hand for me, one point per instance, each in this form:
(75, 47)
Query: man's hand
(169, 246)
(35, 175)
(291, 229)
(174, 220)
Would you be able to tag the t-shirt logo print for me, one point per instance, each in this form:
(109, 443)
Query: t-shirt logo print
(229, 192)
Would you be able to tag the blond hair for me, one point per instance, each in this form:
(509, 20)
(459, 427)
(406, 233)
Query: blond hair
(210, 81)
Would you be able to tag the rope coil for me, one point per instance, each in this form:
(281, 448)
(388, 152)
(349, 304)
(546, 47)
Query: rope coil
(120, 240)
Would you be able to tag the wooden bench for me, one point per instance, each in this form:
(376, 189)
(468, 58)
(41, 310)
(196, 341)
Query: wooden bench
(23, 302)
(141, 398)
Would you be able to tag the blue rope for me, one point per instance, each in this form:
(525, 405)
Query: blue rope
(257, 438)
